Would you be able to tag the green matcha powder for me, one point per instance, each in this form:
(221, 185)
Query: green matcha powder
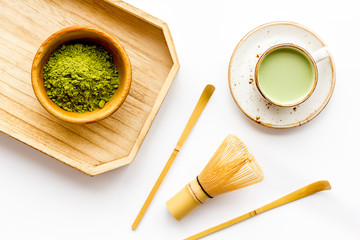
(80, 77)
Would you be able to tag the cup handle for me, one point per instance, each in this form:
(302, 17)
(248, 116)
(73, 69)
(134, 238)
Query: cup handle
(320, 54)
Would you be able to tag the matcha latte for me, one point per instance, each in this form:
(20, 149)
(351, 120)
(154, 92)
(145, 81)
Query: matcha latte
(286, 75)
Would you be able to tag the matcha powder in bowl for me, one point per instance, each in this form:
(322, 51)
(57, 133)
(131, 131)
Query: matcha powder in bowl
(80, 77)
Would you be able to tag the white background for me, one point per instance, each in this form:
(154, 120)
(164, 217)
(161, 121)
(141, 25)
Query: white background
(41, 198)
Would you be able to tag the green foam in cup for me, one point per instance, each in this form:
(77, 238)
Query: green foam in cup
(286, 75)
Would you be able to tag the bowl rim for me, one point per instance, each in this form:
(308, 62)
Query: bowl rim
(75, 117)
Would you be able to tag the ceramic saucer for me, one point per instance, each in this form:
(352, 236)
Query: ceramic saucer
(241, 75)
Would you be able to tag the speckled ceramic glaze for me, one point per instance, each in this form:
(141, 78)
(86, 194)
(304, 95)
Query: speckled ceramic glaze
(242, 70)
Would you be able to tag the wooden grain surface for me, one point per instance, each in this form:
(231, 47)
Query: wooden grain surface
(97, 147)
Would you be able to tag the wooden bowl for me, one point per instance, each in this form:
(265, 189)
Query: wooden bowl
(86, 34)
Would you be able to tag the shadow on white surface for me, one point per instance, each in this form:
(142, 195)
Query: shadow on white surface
(40, 162)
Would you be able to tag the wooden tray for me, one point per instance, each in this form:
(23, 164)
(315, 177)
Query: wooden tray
(97, 147)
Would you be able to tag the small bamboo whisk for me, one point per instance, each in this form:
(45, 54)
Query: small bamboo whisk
(230, 168)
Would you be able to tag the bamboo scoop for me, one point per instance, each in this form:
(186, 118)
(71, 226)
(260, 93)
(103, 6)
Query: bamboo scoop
(230, 168)
(203, 100)
(300, 193)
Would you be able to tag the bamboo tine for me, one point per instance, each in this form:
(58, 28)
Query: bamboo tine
(203, 100)
(300, 193)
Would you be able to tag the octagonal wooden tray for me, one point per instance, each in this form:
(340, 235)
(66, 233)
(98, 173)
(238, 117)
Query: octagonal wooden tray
(97, 147)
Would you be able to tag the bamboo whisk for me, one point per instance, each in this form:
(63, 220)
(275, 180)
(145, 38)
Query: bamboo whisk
(230, 168)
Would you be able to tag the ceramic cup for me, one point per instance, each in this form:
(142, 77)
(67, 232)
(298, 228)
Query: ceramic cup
(286, 74)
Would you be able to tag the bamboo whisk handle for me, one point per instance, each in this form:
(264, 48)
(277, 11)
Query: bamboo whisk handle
(185, 201)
